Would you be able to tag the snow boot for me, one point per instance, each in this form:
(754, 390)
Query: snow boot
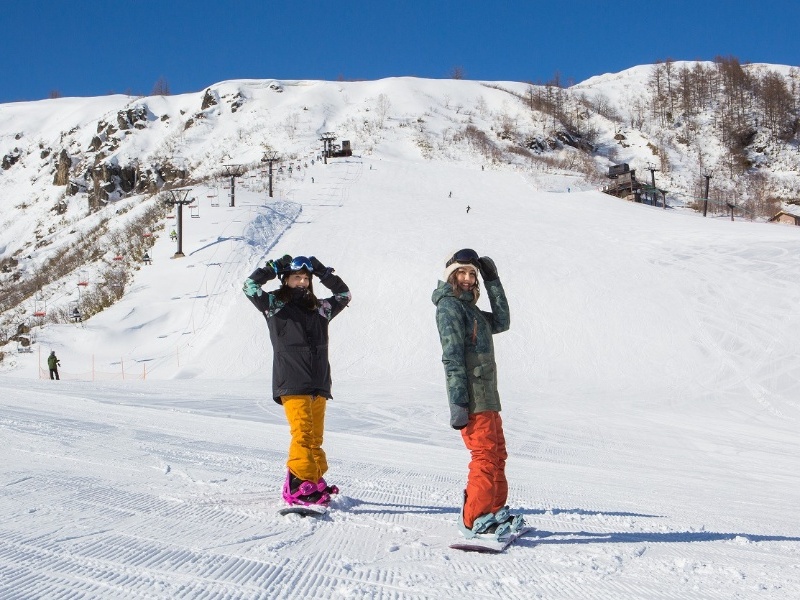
(304, 493)
(483, 527)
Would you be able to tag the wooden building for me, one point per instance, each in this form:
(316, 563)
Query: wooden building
(624, 183)
(787, 216)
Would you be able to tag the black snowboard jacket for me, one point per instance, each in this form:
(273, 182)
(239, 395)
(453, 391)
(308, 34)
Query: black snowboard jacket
(299, 337)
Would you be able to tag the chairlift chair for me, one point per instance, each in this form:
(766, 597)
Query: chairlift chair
(75, 312)
(39, 307)
(23, 344)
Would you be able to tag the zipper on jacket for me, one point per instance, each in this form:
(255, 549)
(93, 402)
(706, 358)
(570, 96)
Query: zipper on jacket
(475, 331)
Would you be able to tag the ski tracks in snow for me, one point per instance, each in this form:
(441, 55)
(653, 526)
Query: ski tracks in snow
(183, 506)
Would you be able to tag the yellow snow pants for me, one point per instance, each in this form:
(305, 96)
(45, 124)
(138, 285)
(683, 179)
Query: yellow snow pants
(306, 417)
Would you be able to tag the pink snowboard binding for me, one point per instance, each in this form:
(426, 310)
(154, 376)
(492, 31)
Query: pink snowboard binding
(305, 493)
(322, 486)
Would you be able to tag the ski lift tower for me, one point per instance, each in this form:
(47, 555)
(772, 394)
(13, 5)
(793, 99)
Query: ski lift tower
(234, 171)
(327, 144)
(179, 198)
(270, 157)
(707, 175)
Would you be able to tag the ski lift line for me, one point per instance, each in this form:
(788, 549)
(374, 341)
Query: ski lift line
(713, 201)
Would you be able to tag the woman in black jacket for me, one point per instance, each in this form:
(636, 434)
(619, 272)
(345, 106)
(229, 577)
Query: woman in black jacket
(301, 378)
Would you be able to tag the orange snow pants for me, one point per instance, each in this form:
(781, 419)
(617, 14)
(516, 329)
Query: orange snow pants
(487, 488)
(306, 416)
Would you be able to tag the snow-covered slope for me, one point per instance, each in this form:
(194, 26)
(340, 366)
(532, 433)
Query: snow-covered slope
(649, 384)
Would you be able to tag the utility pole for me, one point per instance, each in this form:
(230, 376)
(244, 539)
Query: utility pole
(707, 175)
(233, 171)
(327, 144)
(654, 194)
(270, 157)
(179, 198)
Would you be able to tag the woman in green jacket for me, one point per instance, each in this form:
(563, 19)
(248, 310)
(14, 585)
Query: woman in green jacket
(468, 356)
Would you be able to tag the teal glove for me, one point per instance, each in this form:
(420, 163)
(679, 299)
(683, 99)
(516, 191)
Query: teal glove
(251, 288)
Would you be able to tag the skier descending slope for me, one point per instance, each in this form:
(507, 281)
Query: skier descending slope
(468, 356)
(301, 378)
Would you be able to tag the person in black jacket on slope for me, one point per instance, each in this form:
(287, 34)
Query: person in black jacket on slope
(301, 378)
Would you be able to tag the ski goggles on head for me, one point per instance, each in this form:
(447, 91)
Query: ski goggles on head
(301, 262)
(467, 256)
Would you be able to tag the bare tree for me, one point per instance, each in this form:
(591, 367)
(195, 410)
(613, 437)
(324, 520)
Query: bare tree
(161, 87)
(658, 91)
(777, 105)
(458, 72)
(382, 106)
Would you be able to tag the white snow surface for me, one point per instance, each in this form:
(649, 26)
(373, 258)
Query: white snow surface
(649, 384)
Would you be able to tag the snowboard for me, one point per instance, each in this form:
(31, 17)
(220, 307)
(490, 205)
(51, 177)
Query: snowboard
(304, 511)
(489, 545)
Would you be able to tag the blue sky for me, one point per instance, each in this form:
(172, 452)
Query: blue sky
(90, 48)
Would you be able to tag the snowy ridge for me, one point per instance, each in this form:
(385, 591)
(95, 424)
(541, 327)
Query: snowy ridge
(649, 384)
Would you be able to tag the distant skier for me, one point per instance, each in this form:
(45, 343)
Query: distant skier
(53, 363)
(451, 195)
(471, 374)
(173, 235)
(468, 207)
(301, 378)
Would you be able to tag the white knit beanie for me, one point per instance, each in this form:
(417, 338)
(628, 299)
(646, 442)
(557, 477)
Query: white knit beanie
(455, 267)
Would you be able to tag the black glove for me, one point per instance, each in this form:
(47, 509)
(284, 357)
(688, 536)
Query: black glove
(488, 269)
(258, 278)
(459, 416)
(320, 270)
(281, 265)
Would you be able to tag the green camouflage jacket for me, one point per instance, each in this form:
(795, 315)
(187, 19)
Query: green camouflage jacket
(467, 348)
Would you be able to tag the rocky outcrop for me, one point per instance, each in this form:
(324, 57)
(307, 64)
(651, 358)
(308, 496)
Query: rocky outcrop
(108, 180)
(11, 158)
(63, 167)
(209, 100)
(132, 118)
